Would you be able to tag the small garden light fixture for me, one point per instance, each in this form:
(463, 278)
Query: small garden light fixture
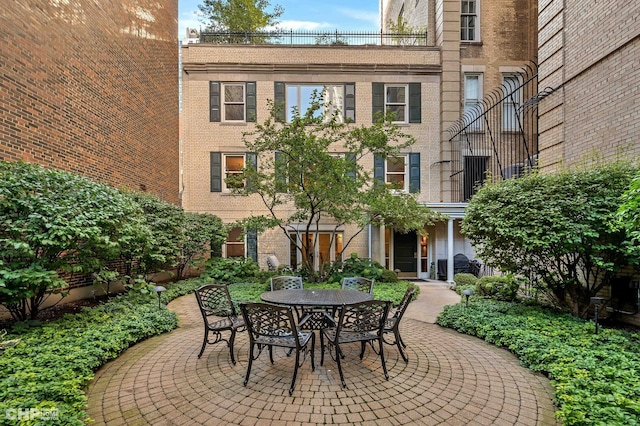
(467, 292)
(597, 301)
(158, 289)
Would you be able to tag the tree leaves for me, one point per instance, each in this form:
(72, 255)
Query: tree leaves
(554, 229)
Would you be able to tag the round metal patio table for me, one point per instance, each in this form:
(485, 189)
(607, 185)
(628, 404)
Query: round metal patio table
(323, 297)
(324, 300)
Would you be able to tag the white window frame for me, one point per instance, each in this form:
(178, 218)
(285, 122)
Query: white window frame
(510, 106)
(470, 102)
(332, 94)
(236, 243)
(226, 172)
(476, 16)
(226, 102)
(388, 103)
(404, 173)
(338, 239)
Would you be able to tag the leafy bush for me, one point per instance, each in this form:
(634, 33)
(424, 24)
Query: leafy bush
(355, 266)
(555, 227)
(465, 281)
(199, 231)
(388, 276)
(231, 270)
(500, 288)
(52, 221)
(55, 361)
(596, 376)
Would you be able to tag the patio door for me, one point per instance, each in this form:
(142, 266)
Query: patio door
(405, 255)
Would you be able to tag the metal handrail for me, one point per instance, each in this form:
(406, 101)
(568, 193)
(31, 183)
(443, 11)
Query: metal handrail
(318, 38)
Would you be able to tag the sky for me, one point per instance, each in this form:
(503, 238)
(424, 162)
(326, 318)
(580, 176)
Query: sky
(309, 15)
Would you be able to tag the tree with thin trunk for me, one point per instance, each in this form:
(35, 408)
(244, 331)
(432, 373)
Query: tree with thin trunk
(311, 172)
(237, 18)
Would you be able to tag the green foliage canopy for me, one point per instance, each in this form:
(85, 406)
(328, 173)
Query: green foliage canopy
(311, 180)
(628, 214)
(53, 221)
(554, 229)
(199, 231)
(239, 16)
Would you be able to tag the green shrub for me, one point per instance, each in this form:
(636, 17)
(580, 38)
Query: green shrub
(596, 376)
(55, 361)
(465, 281)
(388, 276)
(355, 266)
(231, 270)
(53, 221)
(500, 288)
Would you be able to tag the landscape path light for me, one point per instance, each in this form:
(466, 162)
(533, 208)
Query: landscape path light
(158, 289)
(597, 301)
(467, 292)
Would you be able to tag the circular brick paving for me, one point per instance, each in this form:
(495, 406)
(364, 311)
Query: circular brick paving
(450, 379)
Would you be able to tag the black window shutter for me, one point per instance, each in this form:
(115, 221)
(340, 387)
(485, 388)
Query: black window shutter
(280, 105)
(351, 158)
(415, 103)
(414, 172)
(378, 168)
(377, 106)
(280, 172)
(252, 161)
(251, 107)
(252, 245)
(214, 101)
(216, 171)
(349, 102)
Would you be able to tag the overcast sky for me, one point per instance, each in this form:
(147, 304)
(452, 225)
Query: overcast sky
(311, 15)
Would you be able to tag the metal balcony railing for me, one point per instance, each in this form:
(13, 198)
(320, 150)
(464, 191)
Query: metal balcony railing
(498, 137)
(329, 38)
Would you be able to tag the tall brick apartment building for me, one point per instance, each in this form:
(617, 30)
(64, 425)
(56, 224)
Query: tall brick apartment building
(590, 71)
(433, 75)
(91, 87)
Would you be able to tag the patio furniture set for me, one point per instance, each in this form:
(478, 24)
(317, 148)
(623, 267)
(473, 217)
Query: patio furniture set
(289, 316)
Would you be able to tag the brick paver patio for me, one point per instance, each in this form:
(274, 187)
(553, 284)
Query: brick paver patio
(451, 379)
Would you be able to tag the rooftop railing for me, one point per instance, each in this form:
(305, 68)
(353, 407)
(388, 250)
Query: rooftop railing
(331, 38)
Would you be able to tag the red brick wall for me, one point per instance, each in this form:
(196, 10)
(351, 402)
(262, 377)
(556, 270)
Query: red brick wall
(92, 87)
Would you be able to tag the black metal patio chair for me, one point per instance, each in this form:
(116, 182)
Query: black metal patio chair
(219, 315)
(272, 325)
(360, 322)
(392, 323)
(358, 284)
(286, 282)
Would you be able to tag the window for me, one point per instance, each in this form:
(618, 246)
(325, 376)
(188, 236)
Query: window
(235, 244)
(338, 99)
(328, 248)
(511, 86)
(469, 30)
(239, 246)
(404, 100)
(396, 173)
(224, 166)
(396, 102)
(299, 100)
(288, 174)
(401, 172)
(232, 101)
(233, 165)
(472, 97)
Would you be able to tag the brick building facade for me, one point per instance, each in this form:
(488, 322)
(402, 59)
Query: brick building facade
(92, 88)
(213, 141)
(590, 58)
